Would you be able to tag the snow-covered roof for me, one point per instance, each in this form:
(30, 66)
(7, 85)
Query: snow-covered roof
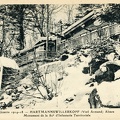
(7, 62)
(78, 23)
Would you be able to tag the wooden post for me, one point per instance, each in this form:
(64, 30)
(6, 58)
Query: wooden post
(47, 30)
(1, 74)
(90, 37)
(56, 47)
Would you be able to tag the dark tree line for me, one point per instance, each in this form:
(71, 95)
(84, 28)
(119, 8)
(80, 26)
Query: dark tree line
(26, 17)
(109, 12)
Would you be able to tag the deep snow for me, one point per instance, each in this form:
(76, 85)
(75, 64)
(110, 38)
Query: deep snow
(72, 87)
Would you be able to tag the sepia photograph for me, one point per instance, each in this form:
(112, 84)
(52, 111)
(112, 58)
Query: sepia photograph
(59, 60)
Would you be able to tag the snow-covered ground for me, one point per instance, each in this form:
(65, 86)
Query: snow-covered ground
(72, 87)
(72, 91)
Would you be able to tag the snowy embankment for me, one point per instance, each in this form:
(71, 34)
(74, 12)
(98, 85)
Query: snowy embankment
(72, 92)
(109, 92)
(71, 89)
(67, 80)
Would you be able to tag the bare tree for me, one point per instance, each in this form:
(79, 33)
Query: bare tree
(6, 28)
(69, 10)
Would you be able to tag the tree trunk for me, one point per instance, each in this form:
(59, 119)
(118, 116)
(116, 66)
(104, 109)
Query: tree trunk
(3, 39)
(47, 30)
(21, 28)
(42, 21)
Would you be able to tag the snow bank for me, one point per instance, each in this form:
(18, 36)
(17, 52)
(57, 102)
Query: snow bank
(109, 93)
(50, 67)
(117, 74)
(117, 48)
(86, 60)
(7, 62)
(57, 65)
(111, 56)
